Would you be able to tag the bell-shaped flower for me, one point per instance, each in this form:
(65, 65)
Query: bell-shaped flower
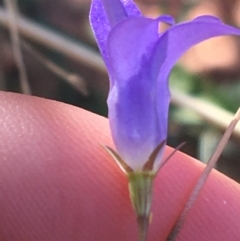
(139, 59)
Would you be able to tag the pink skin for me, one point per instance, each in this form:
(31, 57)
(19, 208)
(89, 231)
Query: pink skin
(57, 183)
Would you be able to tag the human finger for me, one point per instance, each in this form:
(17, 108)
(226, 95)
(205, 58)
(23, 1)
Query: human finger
(57, 183)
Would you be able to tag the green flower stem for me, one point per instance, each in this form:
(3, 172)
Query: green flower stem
(140, 188)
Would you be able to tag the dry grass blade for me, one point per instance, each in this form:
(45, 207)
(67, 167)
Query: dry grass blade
(11, 6)
(75, 80)
(209, 112)
(203, 177)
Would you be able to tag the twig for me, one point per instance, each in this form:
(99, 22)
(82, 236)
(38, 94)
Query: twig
(203, 177)
(75, 80)
(11, 6)
(213, 114)
(55, 41)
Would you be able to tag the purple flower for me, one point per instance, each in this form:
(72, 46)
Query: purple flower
(139, 59)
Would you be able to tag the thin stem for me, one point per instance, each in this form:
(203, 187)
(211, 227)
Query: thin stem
(74, 80)
(11, 6)
(140, 188)
(143, 224)
(203, 177)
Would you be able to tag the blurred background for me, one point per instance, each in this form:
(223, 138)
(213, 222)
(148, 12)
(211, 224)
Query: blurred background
(47, 49)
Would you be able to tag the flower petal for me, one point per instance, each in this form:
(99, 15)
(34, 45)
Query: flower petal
(131, 101)
(129, 44)
(174, 42)
(166, 19)
(104, 14)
